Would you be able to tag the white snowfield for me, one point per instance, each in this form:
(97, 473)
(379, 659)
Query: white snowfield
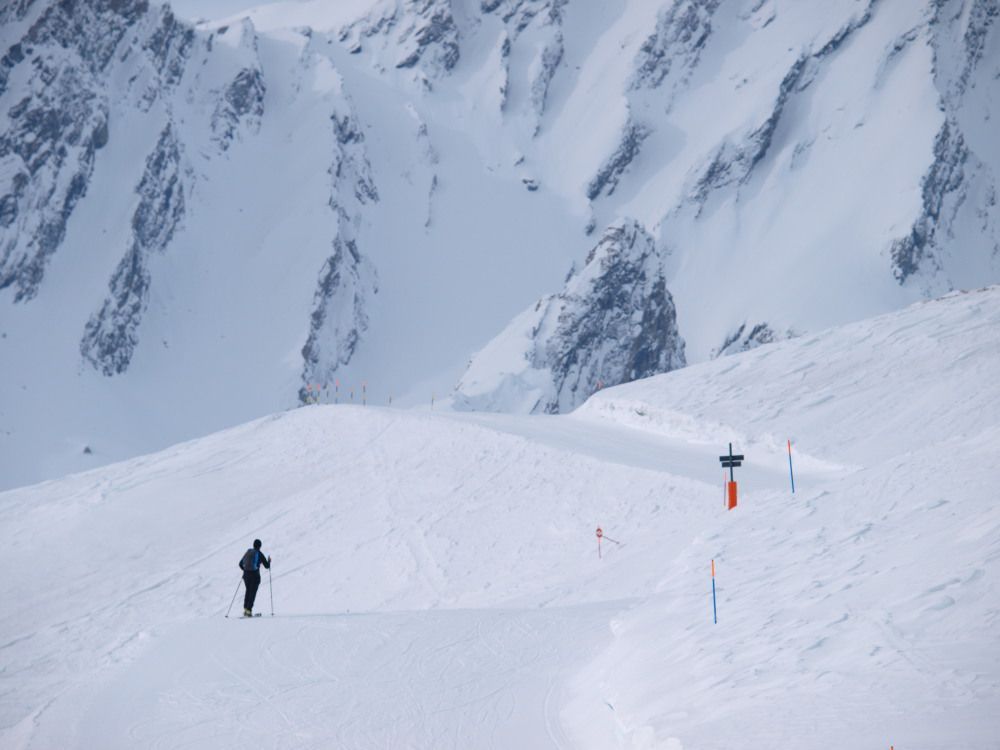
(436, 581)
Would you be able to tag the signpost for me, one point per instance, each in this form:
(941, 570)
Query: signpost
(730, 462)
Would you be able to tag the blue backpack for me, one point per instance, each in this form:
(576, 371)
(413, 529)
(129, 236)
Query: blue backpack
(250, 560)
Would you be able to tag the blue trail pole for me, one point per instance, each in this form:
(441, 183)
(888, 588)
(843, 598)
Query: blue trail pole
(715, 614)
(790, 474)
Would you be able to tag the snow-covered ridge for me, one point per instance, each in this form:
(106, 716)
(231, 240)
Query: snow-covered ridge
(448, 561)
(911, 362)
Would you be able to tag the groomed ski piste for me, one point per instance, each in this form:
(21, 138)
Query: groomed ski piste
(436, 579)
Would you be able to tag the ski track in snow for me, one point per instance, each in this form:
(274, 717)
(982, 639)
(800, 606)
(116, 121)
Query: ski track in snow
(465, 678)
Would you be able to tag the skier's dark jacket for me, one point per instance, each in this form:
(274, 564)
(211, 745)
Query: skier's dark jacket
(252, 560)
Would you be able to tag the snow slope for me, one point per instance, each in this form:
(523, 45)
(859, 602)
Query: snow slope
(436, 582)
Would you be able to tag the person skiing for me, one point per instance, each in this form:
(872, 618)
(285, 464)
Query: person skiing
(250, 564)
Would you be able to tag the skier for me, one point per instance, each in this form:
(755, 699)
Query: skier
(250, 564)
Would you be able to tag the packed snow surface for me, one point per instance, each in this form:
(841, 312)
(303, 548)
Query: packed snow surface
(436, 579)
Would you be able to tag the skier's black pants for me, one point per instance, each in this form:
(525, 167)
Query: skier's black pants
(252, 580)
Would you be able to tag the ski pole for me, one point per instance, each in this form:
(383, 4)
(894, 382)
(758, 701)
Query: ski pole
(234, 596)
(270, 589)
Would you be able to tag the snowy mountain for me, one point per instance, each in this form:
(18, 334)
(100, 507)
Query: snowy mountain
(202, 217)
(436, 579)
(614, 323)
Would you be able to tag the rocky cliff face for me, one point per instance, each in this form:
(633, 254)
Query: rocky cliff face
(959, 186)
(347, 280)
(77, 72)
(53, 94)
(409, 35)
(240, 102)
(112, 334)
(614, 322)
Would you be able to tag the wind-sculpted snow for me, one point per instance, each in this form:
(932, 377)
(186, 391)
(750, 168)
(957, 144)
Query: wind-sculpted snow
(614, 322)
(436, 581)
(111, 335)
(735, 163)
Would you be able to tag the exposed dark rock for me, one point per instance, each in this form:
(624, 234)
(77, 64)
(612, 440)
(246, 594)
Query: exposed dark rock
(608, 176)
(111, 335)
(682, 30)
(550, 59)
(614, 322)
(735, 163)
(56, 129)
(546, 16)
(431, 36)
(242, 104)
(93, 29)
(505, 66)
(8, 210)
(351, 168)
(52, 138)
(942, 185)
(973, 21)
(519, 14)
(742, 341)
(347, 279)
(170, 46)
(338, 319)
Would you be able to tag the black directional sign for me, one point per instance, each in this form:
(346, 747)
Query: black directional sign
(730, 461)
